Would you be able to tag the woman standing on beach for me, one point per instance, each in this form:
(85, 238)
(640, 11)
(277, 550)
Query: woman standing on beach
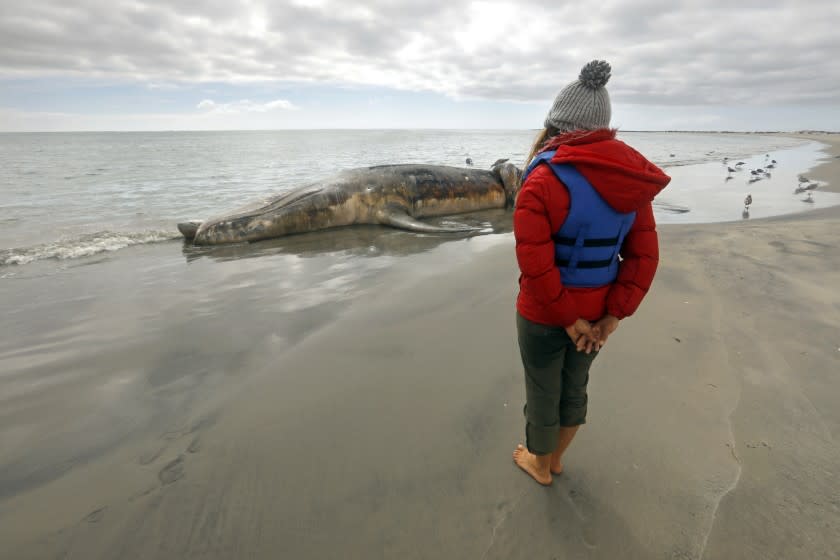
(587, 250)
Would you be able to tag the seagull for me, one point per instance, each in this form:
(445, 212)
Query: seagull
(747, 202)
(809, 199)
(811, 186)
(729, 169)
(740, 163)
(771, 166)
(469, 161)
(773, 161)
(727, 178)
(803, 179)
(754, 179)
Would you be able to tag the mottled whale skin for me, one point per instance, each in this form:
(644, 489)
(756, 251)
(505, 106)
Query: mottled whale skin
(392, 195)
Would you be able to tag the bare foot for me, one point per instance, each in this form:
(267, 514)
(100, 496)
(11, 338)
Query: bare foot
(527, 461)
(556, 465)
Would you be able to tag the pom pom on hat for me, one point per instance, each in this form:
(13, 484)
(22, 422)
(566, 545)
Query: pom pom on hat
(595, 74)
(583, 104)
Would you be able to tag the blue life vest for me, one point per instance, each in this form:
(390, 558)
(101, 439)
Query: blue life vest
(587, 244)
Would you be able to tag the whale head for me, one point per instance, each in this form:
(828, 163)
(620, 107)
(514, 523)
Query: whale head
(510, 177)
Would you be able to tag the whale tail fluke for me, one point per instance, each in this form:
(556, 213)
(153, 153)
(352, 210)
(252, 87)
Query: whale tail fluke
(400, 219)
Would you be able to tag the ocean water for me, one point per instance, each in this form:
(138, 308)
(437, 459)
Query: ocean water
(73, 195)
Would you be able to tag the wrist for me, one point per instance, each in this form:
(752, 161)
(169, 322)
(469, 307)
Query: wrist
(613, 314)
(572, 323)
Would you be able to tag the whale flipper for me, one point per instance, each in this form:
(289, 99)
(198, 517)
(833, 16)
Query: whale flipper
(400, 219)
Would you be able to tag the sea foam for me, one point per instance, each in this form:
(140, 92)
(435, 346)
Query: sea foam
(82, 246)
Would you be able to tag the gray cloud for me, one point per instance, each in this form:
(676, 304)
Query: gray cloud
(662, 52)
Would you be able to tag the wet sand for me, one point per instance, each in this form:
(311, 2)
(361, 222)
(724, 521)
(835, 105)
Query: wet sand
(190, 411)
(826, 173)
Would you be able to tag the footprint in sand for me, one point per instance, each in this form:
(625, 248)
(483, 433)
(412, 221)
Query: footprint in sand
(143, 493)
(172, 471)
(150, 457)
(589, 533)
(195, 445)
(95, 516)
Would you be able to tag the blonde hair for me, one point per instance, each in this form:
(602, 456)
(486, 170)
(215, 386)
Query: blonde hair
(547, 134)
(540, 141)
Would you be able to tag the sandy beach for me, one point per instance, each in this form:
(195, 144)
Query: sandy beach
(381, 424)
(826, 173)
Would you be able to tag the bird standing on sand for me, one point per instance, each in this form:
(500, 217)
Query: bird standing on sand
(729, 172)
(747, 202)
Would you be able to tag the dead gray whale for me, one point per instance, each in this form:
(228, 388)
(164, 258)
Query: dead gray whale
(392, 195)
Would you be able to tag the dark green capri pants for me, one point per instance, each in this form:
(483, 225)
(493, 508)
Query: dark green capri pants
(556, 375)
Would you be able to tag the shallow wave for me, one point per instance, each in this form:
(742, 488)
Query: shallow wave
(82, 246)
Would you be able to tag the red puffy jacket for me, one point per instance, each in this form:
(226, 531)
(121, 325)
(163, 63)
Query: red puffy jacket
(627, 182)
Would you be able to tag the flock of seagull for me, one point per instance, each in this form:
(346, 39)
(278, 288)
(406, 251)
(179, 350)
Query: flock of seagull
(805, 184)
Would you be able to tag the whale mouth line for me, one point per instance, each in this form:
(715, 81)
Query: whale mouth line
(259, 209)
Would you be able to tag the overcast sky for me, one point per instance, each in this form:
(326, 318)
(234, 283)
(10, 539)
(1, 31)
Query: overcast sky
(243, 64)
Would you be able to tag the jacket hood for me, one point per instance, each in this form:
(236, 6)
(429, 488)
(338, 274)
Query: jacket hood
(621, 175)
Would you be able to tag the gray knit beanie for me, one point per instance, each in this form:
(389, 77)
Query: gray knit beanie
(583, 104)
